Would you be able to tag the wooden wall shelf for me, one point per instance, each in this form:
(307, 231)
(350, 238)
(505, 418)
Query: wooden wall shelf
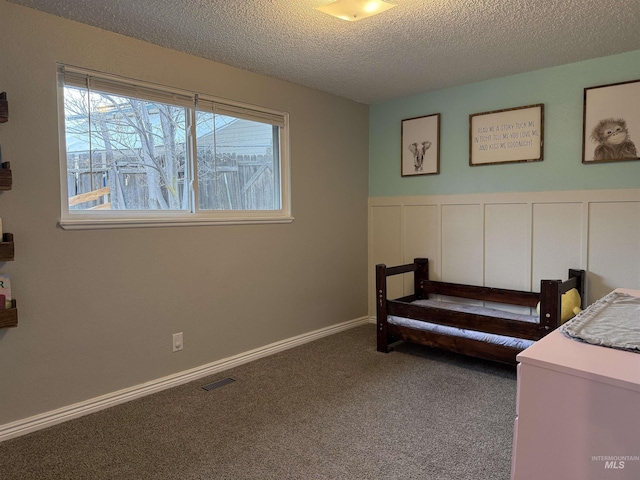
(5, 176)
(7, 249)
(9, 316)
(4, 108)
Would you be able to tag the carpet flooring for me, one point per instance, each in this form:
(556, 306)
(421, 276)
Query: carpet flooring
(331, 409)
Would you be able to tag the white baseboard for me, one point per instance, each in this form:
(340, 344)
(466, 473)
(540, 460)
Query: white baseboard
(54, 417)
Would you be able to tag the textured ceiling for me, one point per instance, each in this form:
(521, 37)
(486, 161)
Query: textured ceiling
(418, 46)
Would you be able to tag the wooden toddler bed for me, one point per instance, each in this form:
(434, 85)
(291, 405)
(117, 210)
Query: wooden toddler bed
(480, 331)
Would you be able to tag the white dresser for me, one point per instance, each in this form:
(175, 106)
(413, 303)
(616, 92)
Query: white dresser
(577, 412)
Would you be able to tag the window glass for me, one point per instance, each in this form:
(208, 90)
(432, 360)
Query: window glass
(124, 153)
(237, 163)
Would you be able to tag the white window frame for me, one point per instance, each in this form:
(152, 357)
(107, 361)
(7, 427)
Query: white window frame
(92, 219)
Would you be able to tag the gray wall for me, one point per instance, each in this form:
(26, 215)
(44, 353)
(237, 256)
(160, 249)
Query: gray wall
(97, 308)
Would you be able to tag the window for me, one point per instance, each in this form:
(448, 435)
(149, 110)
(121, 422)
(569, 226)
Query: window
(134, 154)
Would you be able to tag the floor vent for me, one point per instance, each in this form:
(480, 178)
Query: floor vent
(218, 384)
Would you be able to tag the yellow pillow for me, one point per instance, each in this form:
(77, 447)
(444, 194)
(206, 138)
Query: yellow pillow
(570, 305)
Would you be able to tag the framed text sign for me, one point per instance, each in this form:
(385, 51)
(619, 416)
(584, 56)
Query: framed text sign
(507, 136)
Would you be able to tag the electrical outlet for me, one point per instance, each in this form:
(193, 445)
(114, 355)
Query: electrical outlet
(178, 343)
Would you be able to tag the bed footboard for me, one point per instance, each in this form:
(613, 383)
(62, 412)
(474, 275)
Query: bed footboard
(420, 269)
(551, 298)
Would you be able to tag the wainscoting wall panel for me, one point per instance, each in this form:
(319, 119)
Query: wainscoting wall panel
(507, 246)
(558, 242)
(418, 222)
(385, 225)
(614, 226)
(462, 259)
(510, 240)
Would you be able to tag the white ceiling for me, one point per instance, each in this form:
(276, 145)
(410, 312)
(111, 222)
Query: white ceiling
(418, 46)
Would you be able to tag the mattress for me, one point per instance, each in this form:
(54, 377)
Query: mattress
(503, 340)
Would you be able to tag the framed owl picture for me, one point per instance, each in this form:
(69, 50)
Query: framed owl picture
(611, 123)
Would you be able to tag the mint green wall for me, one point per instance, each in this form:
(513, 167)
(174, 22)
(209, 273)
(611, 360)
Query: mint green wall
(560, 89)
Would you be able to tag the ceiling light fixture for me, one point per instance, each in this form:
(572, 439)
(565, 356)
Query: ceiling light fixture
(353, 10)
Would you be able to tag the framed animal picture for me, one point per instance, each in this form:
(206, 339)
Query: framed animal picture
(611, 121)
(420, 141)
